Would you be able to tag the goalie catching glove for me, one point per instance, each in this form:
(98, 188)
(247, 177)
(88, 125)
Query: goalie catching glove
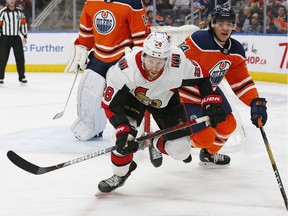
(258, 110)
(77, 59)
(212, 107)
(125, 139)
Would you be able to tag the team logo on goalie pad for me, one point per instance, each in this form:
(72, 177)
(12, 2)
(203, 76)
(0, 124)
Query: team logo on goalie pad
(104, 22)
(218, 71)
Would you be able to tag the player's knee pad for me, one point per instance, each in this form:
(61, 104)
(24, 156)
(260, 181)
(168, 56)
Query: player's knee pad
(203, 138)
(91, 116)
(179, 149)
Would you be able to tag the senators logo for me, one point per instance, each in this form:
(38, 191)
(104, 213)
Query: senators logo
(123, 64)
(140, 94)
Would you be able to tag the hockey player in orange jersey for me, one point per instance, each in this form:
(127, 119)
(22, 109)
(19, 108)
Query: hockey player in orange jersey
(107, 28)
(222, 56)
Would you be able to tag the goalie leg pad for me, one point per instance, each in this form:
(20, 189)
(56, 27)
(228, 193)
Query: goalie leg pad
(91, 116)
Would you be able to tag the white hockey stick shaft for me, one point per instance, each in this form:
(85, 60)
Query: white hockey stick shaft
(60, 114)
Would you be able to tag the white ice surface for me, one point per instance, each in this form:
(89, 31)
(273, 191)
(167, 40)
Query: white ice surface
(247, 188)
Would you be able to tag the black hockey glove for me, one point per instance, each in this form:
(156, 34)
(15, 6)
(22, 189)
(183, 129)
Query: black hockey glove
(125, 139)
(212, 107)
(258, 110)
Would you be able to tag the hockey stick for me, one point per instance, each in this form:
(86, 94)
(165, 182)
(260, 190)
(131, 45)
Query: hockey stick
(273, 163)
(37, 170)
(60, 114)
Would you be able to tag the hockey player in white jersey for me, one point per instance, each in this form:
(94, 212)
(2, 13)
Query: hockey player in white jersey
(148, 79)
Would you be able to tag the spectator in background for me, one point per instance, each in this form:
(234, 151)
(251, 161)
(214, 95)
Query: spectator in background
(245, 21)
(255, 8)
(255, 26)
(281, 20)
(159, 20)
(149, 15)
(272, 8)
(270, 26)
(204, 24)
(148, 5)
(201, 5)
(168, 20)
(26, 7)
(282, 13)
(256, 3)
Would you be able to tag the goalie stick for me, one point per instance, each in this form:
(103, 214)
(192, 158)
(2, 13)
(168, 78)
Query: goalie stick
(60, 114)
(37, 170)
(273, 163)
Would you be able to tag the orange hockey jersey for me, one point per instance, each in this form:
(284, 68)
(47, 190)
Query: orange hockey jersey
(227, 61)
(110, 27)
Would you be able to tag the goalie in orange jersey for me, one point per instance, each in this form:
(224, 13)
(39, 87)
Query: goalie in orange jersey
(107, 29)
(222, 56)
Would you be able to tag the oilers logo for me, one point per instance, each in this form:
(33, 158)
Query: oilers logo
(218, 71)
(104, 22)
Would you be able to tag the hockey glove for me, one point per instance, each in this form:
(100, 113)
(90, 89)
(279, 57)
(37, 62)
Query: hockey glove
(77, 59)
(212, 107)
(125, 139)
(258, 110)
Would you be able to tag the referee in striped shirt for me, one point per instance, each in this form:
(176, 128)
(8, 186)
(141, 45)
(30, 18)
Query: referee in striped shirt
(12, 23)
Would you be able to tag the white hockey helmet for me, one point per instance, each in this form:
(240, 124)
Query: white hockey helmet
(157, 44)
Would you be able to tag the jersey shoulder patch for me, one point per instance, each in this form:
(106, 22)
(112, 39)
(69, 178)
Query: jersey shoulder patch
(122, 64)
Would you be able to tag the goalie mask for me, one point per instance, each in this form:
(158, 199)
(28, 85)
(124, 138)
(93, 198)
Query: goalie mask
(157, 44)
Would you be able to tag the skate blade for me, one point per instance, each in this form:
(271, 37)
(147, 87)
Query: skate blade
(100, 193)
(212, 165)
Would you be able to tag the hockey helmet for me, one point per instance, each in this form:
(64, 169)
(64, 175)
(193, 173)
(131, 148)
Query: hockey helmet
(223, 12)
(157, 44)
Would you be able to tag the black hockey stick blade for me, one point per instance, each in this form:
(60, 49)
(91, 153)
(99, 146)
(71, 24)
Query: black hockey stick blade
(37, 170)
(26, 165)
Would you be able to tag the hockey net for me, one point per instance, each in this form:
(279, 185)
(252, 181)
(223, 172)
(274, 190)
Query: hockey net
(238, 138)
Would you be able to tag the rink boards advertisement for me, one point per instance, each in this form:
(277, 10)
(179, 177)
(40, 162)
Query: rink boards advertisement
(266, 56)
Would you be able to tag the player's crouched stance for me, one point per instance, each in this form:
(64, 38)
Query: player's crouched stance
(226, 59)
(148, 79)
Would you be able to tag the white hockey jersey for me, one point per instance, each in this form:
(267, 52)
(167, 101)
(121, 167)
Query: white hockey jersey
(156, 93)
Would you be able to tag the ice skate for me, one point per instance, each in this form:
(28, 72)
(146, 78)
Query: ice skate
(115, 181)
(207, 159)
